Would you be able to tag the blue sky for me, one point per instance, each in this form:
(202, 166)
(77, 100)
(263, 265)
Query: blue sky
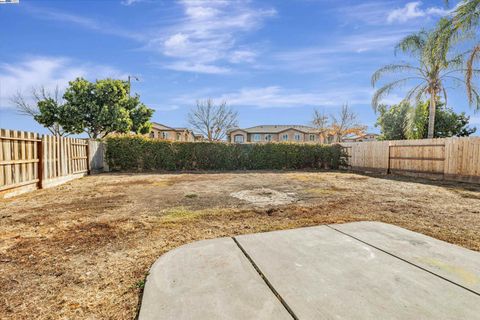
(272, 61)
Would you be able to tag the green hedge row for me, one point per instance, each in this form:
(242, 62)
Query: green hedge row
(139, 153)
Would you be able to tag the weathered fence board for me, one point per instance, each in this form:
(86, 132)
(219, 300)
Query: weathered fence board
(65, 159)
(28, 161)
(96, 156)
(18, 160)
(449, 158)
(371, 155)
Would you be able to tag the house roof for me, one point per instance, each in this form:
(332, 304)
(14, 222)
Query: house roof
(277, 129)
(354, 136)
(160, 126)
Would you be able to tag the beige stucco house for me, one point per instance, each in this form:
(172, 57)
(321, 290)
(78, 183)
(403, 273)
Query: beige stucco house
(278, 133)
(163, 132)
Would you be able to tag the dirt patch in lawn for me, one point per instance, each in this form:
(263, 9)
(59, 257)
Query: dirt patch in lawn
(82, 250)
(264, 197)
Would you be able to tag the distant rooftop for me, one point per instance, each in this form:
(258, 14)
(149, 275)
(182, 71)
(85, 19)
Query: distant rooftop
(160, 126)
(275, 128)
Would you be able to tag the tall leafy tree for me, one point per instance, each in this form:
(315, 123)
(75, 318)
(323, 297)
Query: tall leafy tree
(393, 121)
(448, 123)
(44, 107)
(428, 77)
(102, 107)
(403, 121)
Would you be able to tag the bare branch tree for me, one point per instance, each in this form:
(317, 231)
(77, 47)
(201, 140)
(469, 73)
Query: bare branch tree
(346, 123)
(320, 121)
(213, 121)
(23, 107)
(26, 108)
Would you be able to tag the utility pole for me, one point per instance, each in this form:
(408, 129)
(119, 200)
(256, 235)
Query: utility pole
(130, 82)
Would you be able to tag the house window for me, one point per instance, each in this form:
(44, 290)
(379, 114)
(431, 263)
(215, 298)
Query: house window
(238, 138)
(164, 135)
(268, 137)
(312, 137)
(152, 134)
(256, 137)
(178, 136)
(297, 136)
(285, 137)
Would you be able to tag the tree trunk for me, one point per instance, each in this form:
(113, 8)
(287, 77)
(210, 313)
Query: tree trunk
(431, 116)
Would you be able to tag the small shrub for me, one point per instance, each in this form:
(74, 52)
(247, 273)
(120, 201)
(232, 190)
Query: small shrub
(140, 153)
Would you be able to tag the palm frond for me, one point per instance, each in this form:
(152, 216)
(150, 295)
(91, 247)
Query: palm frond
(386, 89)
(470, 71)
(417, 91)
(412, 44)
(475, 98)
(466, 16)
(420, 93)
(445, 96)
(392, 68)
(457, 61)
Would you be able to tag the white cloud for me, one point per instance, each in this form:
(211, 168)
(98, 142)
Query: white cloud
(370, 13)
(383, 12)
(84, 22)
(130, 2)
(48, 72)
(278, 97)
(205, 40)
(355, 49)
(188, 66)
(239, 56)
(164, 108)
(413, 10)
(392, 99)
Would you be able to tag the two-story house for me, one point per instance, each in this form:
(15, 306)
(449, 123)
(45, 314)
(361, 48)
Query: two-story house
(278, 133)
(163, 132)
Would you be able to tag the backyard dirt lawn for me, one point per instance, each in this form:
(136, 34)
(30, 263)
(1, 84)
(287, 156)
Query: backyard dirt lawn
(82, 250)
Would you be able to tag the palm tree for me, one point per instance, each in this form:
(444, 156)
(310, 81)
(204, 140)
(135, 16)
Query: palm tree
(463, 23)
(428, 78)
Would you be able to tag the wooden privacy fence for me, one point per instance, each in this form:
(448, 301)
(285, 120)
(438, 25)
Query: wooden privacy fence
(449, 158)
(29, 161)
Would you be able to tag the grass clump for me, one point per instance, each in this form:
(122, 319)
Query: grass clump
(182, 214)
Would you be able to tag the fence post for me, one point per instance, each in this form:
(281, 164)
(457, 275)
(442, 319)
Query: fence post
(389, 155)
(88, 156)
(40, 163)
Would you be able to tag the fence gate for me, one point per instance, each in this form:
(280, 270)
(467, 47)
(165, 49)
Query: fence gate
(447, 158)
(419, 158)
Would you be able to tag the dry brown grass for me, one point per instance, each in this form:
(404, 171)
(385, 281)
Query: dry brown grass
(82, 250)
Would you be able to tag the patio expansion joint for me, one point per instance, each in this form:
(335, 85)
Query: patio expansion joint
(406, 261)
(265, 279)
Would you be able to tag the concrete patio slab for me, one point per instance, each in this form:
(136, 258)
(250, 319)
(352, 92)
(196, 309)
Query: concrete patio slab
(452, 262)
(208, 279)
(324, 274)
(313, 273)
